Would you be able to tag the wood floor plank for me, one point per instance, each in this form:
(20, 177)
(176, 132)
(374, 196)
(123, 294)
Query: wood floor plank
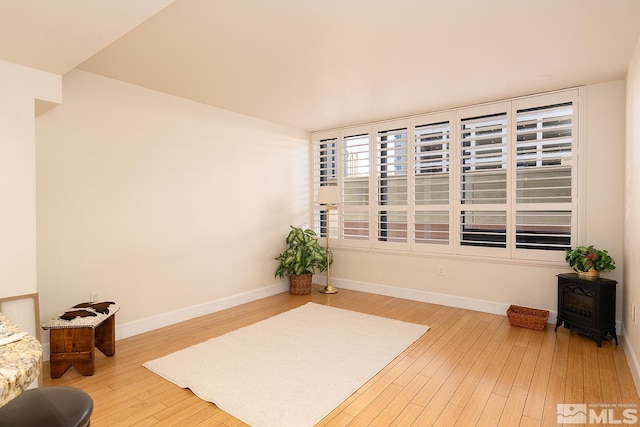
(513, 407)
(438, 403)
(628, 390)
(128, 415)
(469, 384)
(528, 364)
(555, 395)
(509, 371)
(591, 387)
(574, 391)
(492, 411)
(408, 415)
(608, 378)
(424, 396)
(487, 334)
(229, 422)
(481, 394)
(464, 332)
(371, 413)
(450, 415)
(408, 392)
(534, 407)
(469, 369)
(147, 422)
(340, 420)
(561, 355)
(210, 415)
(529, 422)
(339, 411)
(382, 383)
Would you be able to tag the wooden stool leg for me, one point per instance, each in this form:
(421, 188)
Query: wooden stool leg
(59, 367)
(72, 347)
(106, 336)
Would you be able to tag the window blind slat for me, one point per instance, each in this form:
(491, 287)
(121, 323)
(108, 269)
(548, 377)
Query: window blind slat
(392, 186)
(483, 158)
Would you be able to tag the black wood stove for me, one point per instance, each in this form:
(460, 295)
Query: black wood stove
(587, 306)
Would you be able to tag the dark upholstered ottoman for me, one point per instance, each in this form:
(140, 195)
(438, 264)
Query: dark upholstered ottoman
(48, 406)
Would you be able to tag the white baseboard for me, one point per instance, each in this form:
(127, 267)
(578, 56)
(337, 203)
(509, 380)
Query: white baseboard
(632, 360)
(474, 304)
(136, 327)
(431, 297)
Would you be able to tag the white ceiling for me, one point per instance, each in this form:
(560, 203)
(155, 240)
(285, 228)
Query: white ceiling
(57, 35)
(319, 64)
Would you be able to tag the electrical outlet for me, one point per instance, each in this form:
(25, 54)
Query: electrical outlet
(633, 313)
(94, 296)
(441, 270)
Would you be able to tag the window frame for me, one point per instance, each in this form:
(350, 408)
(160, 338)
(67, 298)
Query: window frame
(374, 191)
(454, 207)
(574, 97)
(490, 209)
(440, 117)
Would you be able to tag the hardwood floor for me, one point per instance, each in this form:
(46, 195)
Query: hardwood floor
(469, 369)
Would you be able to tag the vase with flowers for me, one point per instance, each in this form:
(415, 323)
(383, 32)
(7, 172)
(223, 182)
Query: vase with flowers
(589, 262)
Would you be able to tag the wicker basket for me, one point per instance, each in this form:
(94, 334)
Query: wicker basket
(526, 317)
(300, 285)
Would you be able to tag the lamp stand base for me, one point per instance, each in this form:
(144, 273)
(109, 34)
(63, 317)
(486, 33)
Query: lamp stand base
(328, 290)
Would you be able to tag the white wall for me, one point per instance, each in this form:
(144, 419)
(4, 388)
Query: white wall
(602, 187)
(163, 204)
(491, 285)
(160, 203)
(631, 288)
(19, 88)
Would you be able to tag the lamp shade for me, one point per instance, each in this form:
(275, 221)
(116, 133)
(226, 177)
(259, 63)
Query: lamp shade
(328, 195)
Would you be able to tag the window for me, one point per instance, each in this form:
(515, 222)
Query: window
(431, 182)
(483, 147)
(392, 163)
(326, 173)
(544, 176)
(493, 180)
(355, 189)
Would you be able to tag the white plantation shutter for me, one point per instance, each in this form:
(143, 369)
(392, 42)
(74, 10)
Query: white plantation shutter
(495, 180)
(392, 165)
(483, 156)
(544, 200)
(543, 230)
(432, 182)
(355, 197)
(325, 172)
(484, 172)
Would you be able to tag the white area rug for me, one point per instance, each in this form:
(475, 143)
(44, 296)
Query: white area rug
(292, 369)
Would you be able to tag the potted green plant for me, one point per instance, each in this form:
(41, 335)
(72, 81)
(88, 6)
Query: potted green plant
(301, 259)
(589, 262)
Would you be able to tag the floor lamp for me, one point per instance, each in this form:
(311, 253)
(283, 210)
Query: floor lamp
(330, 196)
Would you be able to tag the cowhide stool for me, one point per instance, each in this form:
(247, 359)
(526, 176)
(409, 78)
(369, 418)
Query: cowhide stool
(48, 406)
(76, 333)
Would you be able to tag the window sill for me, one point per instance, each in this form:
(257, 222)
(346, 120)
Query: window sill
(452, 257)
